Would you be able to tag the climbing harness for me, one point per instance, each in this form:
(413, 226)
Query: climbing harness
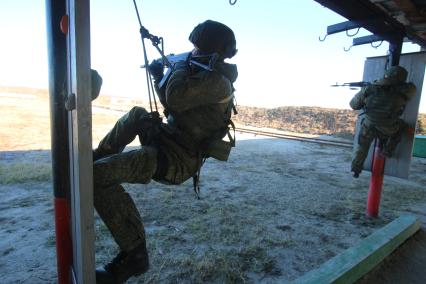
(196, 178)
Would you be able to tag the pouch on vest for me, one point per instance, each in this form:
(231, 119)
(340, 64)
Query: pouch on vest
(219, 149)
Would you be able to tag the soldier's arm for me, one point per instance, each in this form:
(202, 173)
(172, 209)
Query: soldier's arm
(185, 91)
(357, 101)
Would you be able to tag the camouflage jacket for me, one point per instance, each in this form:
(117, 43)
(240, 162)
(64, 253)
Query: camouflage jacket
(199, 102)
(383, 103)
(198, 105)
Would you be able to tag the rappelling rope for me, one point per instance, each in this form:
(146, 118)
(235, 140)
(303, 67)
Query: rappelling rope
(145, 34)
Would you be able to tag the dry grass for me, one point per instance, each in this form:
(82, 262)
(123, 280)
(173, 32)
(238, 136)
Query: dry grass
(24, 172)
(312, 120)
(25, 123)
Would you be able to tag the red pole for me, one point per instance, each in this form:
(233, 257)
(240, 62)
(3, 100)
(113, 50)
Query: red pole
(56, 29)
(64, 255)
(376, 182)
(378, 168)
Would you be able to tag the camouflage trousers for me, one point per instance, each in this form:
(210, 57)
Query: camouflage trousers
(113, 204)
(388, 139)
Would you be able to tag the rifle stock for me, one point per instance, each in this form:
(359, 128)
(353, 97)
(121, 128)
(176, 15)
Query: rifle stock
(171, 60)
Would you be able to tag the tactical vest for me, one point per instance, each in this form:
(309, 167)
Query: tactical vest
(384, 104)
(201, 128)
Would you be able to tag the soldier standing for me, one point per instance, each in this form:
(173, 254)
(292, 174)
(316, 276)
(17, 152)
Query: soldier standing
(198, 105)
(383, 102)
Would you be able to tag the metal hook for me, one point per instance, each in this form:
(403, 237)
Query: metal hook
(347, 49)
(232, 2)
(322, 39)
(376, 46)
(354, 34)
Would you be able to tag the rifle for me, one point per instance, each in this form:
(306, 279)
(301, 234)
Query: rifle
(352, 85)
(170, 61)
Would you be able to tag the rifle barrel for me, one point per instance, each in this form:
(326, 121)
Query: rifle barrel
(352, 84)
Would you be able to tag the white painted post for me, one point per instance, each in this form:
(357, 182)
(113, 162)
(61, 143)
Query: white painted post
(81, 142)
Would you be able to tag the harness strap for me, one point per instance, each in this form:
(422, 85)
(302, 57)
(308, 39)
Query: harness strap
(196, 177)
(203, 157)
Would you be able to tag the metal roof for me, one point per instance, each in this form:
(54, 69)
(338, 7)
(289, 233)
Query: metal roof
(390, 20)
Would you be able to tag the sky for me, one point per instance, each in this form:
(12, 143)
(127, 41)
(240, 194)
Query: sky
(280, 60)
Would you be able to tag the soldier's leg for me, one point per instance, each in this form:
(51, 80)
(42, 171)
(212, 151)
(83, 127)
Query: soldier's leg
(123, 133)
(118, 211)
(366, 136)
(112, 202)
(393, 140)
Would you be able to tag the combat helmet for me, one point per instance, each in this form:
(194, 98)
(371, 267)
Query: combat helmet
(211, 36)
(396, 74)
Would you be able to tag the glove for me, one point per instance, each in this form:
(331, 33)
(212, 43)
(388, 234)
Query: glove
(156, 70)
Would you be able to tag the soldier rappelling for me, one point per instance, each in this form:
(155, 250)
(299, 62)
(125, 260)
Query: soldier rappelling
(198, 105)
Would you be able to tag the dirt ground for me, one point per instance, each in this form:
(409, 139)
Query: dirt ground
(275, 210)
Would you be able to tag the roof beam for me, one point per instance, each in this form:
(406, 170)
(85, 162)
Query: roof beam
(368, 15)
(373, 19)
(341, 27)
(366, 39)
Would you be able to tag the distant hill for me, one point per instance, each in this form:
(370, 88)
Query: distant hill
(313, 120)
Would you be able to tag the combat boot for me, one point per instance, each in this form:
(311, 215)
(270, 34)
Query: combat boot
(356, 170)
(124, 266)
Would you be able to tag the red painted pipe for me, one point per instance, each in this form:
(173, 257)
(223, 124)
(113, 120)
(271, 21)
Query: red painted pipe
(56, 29)
(376, 183)
(63, 240)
